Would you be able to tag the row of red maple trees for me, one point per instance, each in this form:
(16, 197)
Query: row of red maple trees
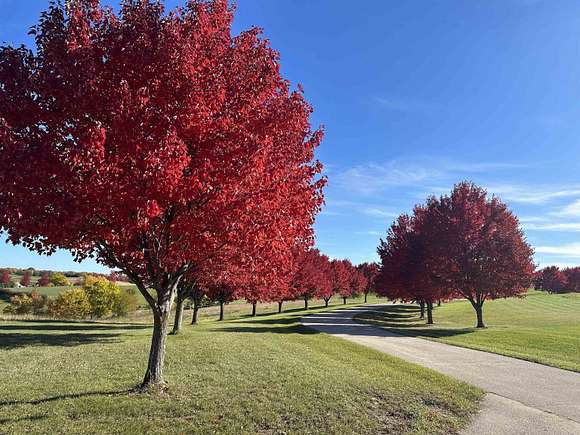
(461, 245)
(313, 276)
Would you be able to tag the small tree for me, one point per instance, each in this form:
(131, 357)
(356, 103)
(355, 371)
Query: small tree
(5, 279)
(70, 304)
(103, 295)
(58, 279)
(222, 294)
(26, 278)
(126, 303)
(44, 280)
(339, 274)
(369, 270)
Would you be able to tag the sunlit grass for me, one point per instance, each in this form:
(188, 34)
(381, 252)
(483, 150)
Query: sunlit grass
(267, 374)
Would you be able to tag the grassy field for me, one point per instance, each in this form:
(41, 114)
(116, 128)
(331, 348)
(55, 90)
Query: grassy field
(266, 375)
(541, 327)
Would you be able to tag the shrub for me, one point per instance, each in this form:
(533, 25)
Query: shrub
(58, 279)
(126, 303)
(19, 304)
(102, 294)
(70, 304)
(24, 303)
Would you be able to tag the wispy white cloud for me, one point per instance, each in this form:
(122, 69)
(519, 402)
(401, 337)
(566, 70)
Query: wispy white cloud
(532, 194)
(568, 250)
(422, 172)
(379, 212)
(369, 233)
(570, 210)
(553, 226)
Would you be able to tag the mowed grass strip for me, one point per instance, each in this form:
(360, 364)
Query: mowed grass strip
(267, 374)
(541, 327)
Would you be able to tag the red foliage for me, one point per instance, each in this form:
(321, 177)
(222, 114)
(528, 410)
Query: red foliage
(464, 243)
(25, 281)
(44, 280)
(573, 278)
(394, 279)
(161, 140)
(553, 280)
(340, 273)
(370, 272)
(5, 278)
(310, 278)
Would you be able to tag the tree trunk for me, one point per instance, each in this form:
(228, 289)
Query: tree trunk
(195, 314)
(439, 303)
(479, 312)
(422, 307)
(254, 309)
(429, 313)
(344, 300)
(366, 297)
(154, 374)
(178, 315)
(280, 306)
(305, 303)
(326, 302)
(221, 311)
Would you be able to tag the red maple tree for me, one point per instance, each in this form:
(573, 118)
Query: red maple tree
(573, 278)
(553, 280)
(160, 140)
(44, 280)
(309, 279)
(370, 271)
(5, 278)
(477, 246)
(26, 279)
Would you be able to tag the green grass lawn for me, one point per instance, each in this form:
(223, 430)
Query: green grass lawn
(541, 327)
(267, 374)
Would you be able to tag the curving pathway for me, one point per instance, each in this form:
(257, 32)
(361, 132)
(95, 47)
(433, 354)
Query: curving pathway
(522, 397)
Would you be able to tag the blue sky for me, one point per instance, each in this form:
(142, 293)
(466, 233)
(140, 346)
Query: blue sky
(414, 96)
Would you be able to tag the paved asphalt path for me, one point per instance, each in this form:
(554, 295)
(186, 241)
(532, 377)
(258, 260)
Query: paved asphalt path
(522, 397)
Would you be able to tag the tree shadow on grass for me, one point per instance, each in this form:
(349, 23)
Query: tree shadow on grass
(293, 328)
(70, 327)
(19, 419)
(409, 324)
(81, 322)
(63, 397)
(17, 340)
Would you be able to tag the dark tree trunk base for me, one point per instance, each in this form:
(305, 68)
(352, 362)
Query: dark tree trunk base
(344, 300)
(479, 313)
(154, 374)
(254, 309)
(429, 313)
(178, 316)
(305, 303)
(195, 315)
(280, 307)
